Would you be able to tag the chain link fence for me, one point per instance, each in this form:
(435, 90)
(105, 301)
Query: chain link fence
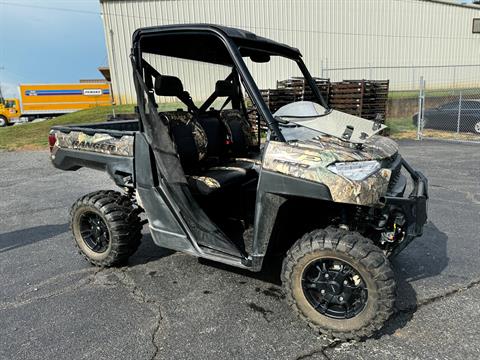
(448, 113)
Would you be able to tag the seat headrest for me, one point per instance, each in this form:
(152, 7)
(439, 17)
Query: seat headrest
(166, 85)
(224, 88)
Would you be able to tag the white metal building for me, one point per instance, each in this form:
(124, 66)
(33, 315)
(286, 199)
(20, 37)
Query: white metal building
(399, 40)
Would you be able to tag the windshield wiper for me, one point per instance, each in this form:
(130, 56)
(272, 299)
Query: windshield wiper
(327, 112)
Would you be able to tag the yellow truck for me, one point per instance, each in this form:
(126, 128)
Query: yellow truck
(49, 100)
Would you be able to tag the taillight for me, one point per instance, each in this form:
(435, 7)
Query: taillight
(52, 139)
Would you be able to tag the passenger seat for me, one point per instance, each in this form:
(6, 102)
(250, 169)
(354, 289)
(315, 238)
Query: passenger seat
(243, 139)
(216, 133)
(191, 141)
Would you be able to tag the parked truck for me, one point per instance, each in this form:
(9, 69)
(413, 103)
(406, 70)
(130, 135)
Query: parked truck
(324, 191)
(49, 100)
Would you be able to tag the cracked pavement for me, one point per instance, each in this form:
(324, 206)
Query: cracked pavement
(167, 305)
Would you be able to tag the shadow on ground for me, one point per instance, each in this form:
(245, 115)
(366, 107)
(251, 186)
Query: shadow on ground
(18, 238)
(148, 252)
(426, 258)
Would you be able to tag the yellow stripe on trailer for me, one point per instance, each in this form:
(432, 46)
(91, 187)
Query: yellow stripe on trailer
(42, 98)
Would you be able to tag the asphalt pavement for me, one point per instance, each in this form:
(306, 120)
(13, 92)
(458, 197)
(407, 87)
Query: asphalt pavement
(166, 305)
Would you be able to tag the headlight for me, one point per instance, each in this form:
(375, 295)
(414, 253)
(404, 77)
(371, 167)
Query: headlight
(355, 170)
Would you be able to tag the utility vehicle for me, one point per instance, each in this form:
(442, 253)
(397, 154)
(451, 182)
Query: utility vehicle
(323, 189)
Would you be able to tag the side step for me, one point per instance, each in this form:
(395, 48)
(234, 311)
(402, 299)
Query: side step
(214, 255)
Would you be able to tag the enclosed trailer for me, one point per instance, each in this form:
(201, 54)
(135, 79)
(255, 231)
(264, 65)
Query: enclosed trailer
(55, 99)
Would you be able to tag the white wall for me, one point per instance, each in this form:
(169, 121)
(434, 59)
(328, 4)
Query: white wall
(331, 34)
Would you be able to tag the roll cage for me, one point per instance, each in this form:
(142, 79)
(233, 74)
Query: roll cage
(217, 45)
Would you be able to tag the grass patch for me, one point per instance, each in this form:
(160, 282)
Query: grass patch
(403, 128)
(403, 94)
(400, 124)
(34, 136)
(450, 135)
(413, 94)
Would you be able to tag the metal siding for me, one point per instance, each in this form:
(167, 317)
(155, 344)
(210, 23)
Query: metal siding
(331, 34)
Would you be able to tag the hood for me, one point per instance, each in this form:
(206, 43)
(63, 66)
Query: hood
(332, 149)
(335, 123)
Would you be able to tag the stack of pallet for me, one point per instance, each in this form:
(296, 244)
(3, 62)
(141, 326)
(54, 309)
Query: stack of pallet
(300, 89)
(276, 98)
(347, 96)
(364, 98)
(294, 86)
(375, 97)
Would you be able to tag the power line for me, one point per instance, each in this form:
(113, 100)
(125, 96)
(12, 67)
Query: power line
(50, 8)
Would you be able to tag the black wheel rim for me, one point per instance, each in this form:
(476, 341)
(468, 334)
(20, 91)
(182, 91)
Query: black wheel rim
(334, 288)
(94, 232)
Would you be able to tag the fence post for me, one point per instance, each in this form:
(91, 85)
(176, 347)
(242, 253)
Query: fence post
(459, 111)
(421, 105)
(413, 78)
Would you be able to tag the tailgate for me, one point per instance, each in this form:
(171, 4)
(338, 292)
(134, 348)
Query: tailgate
(110, 150)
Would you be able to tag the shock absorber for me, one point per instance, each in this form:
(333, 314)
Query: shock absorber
(395, 233)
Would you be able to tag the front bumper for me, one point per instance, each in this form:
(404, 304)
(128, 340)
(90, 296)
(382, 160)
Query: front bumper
(414, 207)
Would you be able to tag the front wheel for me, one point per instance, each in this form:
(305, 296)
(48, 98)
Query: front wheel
(3, 121)
(340, 283)
(476, 127)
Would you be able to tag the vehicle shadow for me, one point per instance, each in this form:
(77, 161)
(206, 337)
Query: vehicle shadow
(270, 273)
(426, 257)
(148, 252)
(19, 238)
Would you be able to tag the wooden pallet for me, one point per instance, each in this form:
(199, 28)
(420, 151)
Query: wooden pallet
(364, 98)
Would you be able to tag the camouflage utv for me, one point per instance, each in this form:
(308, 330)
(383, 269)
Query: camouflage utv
(322, 189)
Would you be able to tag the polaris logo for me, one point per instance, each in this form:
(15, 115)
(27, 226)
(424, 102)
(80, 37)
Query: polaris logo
(92, 92)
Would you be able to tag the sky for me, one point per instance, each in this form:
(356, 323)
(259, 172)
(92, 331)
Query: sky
(40, 43)
(50, 41)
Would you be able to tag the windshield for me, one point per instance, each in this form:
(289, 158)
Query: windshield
(282, 81)
(294, 104)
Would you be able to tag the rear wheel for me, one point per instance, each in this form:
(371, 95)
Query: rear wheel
(106, 227)
(340, 283)
(3, 121)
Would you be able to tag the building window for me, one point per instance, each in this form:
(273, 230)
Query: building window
(476, 26)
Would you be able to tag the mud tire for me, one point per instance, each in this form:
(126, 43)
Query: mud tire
(122, 220)
(360, 253)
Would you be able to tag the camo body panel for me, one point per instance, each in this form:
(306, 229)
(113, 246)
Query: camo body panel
(207, 181)
(199, 135)
(99, 142)
(380, 147)
(230, 115)
(309, 161)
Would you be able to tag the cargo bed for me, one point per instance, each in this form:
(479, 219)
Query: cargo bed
(104, 146)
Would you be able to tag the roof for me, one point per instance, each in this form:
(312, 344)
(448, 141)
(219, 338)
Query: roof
(443, 2)
(454, 3)
(105, 71)
(202, 42)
